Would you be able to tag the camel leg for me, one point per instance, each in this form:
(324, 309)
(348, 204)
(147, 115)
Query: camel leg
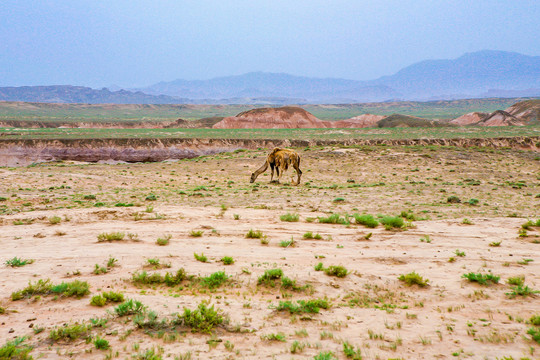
(272, 172)
(298, 173)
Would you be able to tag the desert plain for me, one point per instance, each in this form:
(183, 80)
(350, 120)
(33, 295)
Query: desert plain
(450, 212)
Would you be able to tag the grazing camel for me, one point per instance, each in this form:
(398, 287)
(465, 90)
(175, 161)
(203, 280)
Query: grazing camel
(280, 159)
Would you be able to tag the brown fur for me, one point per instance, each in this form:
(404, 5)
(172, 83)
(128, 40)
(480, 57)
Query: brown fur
(280, 159)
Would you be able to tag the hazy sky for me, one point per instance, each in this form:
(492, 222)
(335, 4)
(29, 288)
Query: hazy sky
(137, 43)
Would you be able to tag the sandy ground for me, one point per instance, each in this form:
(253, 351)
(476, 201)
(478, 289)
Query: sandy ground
(451, 318)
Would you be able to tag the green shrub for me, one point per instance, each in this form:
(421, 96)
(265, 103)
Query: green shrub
(336, 270)
(516, 280)
(17, 262)
(290, 217)
(269, 276)
(227, 260)
(75, 288)
(215, 280)
(319, 267)
(98, 300)
(196, 233)
(112, 236)
(338, 200)
(473, 202)
(287, 243)
(169, 279)
(482, 279)
(302, 306)
(333, 219)
(151, 197)
(44, 287)
(16, 350)
(203, 319)
(350, 353)
(391, 222)
(453, 200)
(309, 235)
(413, 278)
(521, 290)
(70, 332)
(129, 307)
(535, 320)
(325, 355)
(41, 287)
(162, 241)
(201, 257)
(274, 337)
(101, 343)
(53, 220)
(535, 334)
(366, 220)
(254, 234)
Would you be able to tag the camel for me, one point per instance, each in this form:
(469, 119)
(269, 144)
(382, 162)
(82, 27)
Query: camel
(280, 159)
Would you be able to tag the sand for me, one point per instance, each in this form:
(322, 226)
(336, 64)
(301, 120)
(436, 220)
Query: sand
(370, 308)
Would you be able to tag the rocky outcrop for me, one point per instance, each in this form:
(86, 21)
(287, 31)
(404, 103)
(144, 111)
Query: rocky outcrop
(361, 121)
(287, 117)
(528, 111)
(469, 119)
(25, 152)
(501, 118)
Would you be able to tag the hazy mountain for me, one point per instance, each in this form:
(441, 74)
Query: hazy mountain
(81, 94)
(480, 74)
(471, 75)
(273, 85)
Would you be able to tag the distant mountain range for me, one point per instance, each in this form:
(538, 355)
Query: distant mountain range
(480, 74)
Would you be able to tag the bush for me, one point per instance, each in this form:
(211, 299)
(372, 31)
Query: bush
(156, 278)
(333, 219)
(227, 260)
(196, 233)
(269, 276)
(215, 280)
(482, 279)
(69, 332)
(113, 236)
(16, 350)
(17, 262)
(413, 278)
(101, 343)
(162, 241)
(453, 200)
(336, 270)
(303, 306)
(44, 287)
(201, 257)
(366, 220)
(535, 320)
(53, 220)
(535, 334)
(257, 234)
(75, 288)
(390, 222)
(129, 307)
(309, 235)
(290, 217)
(203, 319)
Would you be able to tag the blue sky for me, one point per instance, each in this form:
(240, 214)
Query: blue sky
(138, 43)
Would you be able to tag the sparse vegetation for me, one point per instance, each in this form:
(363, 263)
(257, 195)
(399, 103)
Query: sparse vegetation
(112, 236)
(18, 262)
(482, 279)
(290, 217)
(413, 279)
(336, 270)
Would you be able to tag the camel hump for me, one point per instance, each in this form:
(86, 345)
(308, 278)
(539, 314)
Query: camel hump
(275, 151)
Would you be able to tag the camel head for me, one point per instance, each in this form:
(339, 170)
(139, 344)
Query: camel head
(253, 177)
